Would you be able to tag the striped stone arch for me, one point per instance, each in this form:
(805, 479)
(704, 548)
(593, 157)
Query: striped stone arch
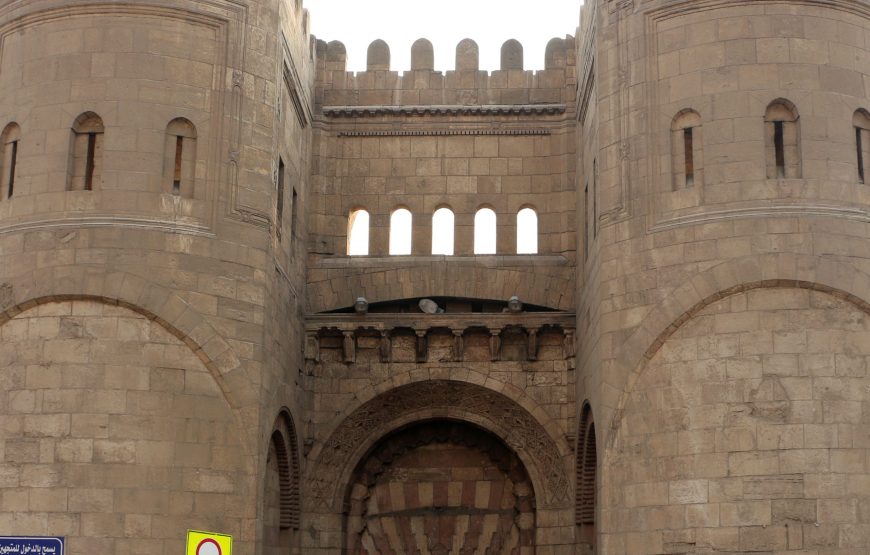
(545, 456)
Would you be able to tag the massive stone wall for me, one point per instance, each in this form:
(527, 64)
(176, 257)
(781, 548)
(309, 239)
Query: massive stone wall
(168, 90)
(744, 432)
(114, 431)
(756, 101)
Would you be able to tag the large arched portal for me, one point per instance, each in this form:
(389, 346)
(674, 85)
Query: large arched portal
(440, 487)
(469, 435)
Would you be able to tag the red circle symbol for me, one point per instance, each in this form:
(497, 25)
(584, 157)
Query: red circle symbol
(200, 549)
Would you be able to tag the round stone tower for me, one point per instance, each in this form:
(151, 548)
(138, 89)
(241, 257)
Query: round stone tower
(153, 156)
(723, 305)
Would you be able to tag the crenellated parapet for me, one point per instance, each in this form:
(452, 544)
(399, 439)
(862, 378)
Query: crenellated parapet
(466, 84)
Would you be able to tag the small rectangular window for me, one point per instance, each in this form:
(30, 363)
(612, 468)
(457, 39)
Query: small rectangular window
(779, 148)
(279, 209)
(859, 141)
(688, 142)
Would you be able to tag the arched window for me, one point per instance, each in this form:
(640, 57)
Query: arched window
(9, 144)
(400, 231)
(687, 149)
(527, 231)
(86, 165)
(587, 465)
(484, 231)
(861, 122)
(782, 140)
(179, 162)
(442, 231)
(358, 233)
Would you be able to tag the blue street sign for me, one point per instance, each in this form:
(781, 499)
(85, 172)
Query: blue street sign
(31, 545)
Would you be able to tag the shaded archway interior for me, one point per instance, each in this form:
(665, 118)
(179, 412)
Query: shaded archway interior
(440, 486)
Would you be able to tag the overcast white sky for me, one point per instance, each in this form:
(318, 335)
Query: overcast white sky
(489, 23)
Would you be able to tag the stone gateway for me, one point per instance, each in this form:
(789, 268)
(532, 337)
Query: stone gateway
(619, 305)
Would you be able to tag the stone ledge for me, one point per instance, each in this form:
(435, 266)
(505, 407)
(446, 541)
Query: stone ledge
(405, 261)
(444, 110)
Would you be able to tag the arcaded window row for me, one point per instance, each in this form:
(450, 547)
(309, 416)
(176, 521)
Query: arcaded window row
(85, 167)
(442, 232)
(781, 144)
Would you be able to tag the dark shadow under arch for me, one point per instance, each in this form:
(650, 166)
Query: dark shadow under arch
(365, 498)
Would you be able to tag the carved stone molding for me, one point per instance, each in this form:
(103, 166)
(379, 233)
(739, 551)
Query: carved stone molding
(521, 432)
(444, 132)
(349, 327)
(445, 110)
(763, 211)
(152, 224)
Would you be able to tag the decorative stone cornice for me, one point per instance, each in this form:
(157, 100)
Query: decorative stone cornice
(349, 327)
(444, 110)
(442, 132)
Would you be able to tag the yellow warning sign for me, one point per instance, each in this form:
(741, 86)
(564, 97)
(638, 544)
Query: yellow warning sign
(208, 543)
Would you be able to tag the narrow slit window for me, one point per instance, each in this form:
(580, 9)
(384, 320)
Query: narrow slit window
(294, 213)
(861, 122)
(279, 208)
(89, 171)
(87, 146)
(586, 222)
(176, 178)
(9, 161)
(180, 158)
(12, 165)
(594, 199)
(686, 150)
(690, 156)
(779, 148)
(782, 140)
(358, 233)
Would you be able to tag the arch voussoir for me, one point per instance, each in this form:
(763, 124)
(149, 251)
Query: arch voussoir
(517, 421)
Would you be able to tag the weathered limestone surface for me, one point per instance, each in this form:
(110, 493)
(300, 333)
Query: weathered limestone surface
(187, 342)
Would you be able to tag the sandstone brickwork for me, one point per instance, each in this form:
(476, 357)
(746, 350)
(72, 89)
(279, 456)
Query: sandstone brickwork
(212, 317)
